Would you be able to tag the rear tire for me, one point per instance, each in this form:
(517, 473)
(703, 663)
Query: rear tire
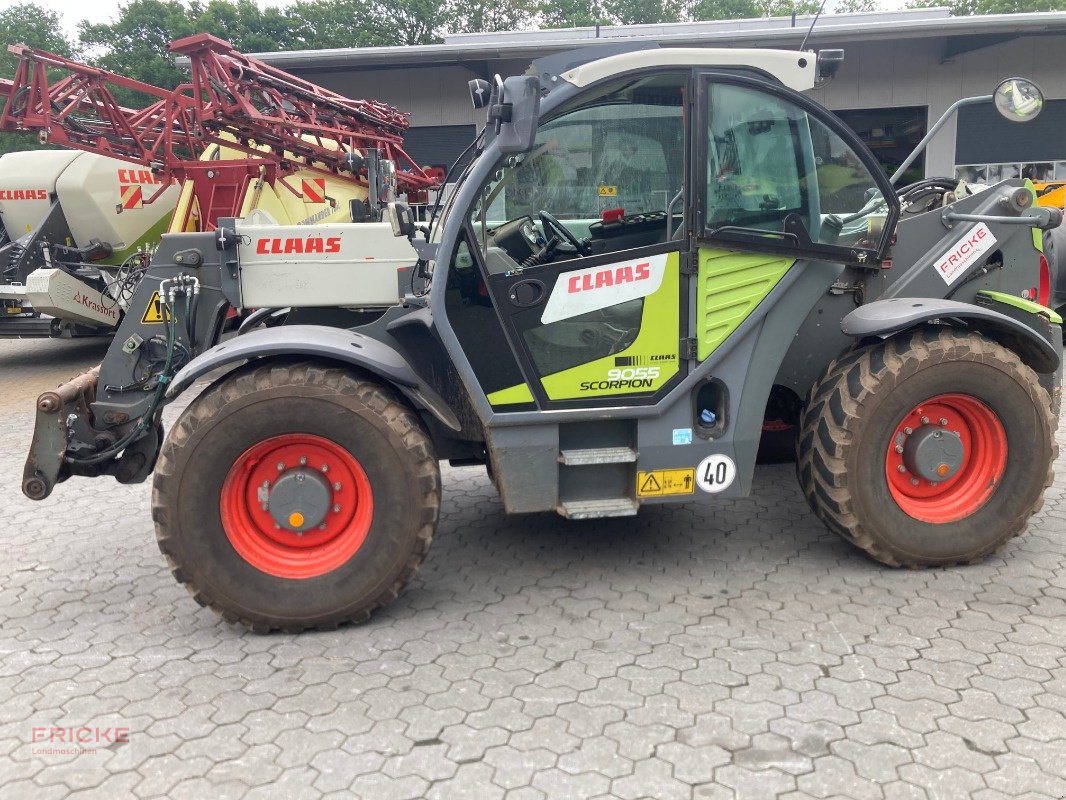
(222, 543)
(858, 425)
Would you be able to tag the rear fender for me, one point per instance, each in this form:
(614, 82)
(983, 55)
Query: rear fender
(331, 344)
(1034, 340)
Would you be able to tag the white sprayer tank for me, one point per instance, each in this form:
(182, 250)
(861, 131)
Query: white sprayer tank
(106, 199)
(27, 183)
(102, 198)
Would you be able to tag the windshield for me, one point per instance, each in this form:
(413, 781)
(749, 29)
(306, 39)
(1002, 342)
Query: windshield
(769, 160)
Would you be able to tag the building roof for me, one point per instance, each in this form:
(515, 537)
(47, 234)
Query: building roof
(780, 32)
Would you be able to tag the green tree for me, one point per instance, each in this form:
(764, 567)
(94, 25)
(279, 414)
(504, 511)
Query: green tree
(478, 16)
(320, 24)
(137, 43)
(417, 21)
(855, 6)
(963, 8)
(30, 24)
(27, 23)
(570, 13)
(703, 10)
(643, 12)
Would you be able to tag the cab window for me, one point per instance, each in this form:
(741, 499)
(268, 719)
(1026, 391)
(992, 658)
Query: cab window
(620, 150)
(770, 163)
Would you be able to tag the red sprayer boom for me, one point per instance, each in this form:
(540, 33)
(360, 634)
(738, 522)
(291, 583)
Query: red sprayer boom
(282, 123)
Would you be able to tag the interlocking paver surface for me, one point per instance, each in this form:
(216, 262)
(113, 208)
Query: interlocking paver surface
(732, 651)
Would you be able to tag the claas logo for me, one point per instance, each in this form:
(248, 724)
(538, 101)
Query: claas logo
(23, 194)
(311, 244)
(139, 176)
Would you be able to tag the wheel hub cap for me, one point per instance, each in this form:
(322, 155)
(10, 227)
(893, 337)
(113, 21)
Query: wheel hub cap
(933, 453)
(945, 458)
(299, 500)
(296, 506)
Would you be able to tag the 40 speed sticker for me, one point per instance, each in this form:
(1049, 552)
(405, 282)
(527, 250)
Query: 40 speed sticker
(716, 473)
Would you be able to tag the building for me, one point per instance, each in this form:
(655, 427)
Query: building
(902, 70)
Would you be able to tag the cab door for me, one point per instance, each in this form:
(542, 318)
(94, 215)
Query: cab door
(582, 242)
(780, 182)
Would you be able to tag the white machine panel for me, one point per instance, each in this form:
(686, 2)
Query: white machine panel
(345, 264)
(54, 292)
(27, 182)
(105, 199)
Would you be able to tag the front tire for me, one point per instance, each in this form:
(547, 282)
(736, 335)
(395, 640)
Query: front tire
(295, 496)
(931, 448)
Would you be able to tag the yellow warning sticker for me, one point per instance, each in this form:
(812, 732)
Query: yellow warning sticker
(153, 314)
(608, 191)
(664, 482)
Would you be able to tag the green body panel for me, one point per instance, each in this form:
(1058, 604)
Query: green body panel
(1022, 303)
(147, 240)
(518, 393)
(655, 350)
(1038, 235)
(731, 285)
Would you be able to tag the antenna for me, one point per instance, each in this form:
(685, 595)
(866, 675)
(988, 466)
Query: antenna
(813, 23)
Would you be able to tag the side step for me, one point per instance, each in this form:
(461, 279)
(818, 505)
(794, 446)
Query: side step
(592, 509)
(597, 455)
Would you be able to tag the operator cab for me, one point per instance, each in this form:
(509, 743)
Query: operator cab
(568, 279)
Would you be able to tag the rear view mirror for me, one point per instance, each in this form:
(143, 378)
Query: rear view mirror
(480, 92)
(403, 221)
(1018, 99)
(515, 111)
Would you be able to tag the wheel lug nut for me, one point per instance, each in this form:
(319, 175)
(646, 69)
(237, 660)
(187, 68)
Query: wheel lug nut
(901, 468)
(336, 509)
(281, 466)
(925, 420)
(325, 467)
(899, 449)
(908, 431)
(914, 481)
(943, 421)
(336, 487)
(303, 461)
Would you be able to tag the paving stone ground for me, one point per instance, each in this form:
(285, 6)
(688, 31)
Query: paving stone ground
(739, 651)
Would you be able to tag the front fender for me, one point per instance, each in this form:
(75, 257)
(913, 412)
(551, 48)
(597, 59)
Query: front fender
(316, 341)
(883, 318)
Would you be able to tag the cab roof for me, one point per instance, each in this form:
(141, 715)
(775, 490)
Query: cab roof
(796, 70)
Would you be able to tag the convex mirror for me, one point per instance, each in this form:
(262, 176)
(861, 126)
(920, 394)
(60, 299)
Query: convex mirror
(1018, 99)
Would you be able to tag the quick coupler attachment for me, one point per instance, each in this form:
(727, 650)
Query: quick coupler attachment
(58, 412)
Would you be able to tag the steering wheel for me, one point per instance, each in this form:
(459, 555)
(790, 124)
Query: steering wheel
(548, 221)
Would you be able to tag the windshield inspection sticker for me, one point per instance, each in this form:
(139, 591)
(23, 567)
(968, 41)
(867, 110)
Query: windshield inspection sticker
(966, 251)
(716, 473)
(682, 436)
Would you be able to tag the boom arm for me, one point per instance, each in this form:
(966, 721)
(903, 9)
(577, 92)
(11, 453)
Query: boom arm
(282, 124)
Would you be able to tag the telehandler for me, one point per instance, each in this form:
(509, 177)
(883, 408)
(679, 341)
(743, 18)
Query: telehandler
(642, 253)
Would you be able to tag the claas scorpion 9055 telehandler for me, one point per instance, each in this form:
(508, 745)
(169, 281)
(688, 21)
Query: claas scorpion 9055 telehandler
(645, 256)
